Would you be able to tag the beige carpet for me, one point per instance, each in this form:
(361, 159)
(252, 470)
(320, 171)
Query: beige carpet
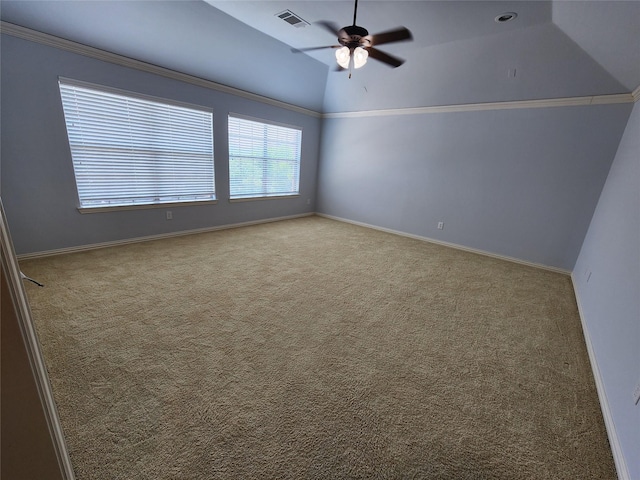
(315, 349)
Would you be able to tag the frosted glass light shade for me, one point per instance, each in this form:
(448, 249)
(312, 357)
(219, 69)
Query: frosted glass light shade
(342, 56)
(360, 56)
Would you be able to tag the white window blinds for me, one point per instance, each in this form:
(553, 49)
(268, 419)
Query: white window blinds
(264, 159)
(135, 150)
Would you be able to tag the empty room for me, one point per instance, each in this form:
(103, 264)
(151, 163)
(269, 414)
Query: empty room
(320, 239)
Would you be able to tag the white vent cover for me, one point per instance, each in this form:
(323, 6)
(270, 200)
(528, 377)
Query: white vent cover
(292, 19)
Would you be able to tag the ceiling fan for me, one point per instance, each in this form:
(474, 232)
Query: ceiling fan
(356, 45)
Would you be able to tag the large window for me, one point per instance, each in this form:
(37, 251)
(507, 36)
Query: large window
(264, 158)
(128, 149)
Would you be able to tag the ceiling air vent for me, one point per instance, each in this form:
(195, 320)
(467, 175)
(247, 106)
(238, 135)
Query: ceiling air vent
(292, 19)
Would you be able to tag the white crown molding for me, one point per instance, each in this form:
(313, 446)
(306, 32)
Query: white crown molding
(78, 48)
(478, 107)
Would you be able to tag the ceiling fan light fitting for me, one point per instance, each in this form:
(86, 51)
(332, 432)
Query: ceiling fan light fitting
(360, 56)
(355, 45)
(342, 57)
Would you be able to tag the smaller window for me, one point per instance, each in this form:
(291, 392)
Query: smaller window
(264, 159)
(129, 149)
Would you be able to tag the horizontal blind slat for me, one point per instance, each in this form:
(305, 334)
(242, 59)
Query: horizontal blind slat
(128, 150)
(264, 159)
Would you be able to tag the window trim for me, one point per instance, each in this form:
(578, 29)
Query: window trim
(276, 196)
(144, 97)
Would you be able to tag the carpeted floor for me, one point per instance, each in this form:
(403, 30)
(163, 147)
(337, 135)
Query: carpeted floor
(315, 349)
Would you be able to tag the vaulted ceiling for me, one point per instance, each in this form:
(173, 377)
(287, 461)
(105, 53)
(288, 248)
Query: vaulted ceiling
(459, 53)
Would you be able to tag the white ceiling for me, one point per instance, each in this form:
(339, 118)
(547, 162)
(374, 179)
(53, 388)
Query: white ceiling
(432, 22)
(459, 53)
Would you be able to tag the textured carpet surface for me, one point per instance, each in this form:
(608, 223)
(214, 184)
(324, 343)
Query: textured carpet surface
(315, 349)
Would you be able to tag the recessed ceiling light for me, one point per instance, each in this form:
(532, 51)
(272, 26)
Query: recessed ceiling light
(505, 17)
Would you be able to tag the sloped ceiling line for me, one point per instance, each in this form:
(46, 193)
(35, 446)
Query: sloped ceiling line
(57, 42)
(68, 45)
(610, 33)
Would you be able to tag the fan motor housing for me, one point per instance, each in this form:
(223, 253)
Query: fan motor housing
(354, 36)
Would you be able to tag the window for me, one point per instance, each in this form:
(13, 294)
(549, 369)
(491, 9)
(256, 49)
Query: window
(264, 159)
(128, 149)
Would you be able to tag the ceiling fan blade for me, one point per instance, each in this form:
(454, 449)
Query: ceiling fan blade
(397, 35)
(302, 50)
(385, 57)
(330, 27)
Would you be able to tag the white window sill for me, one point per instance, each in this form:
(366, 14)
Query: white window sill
(145, 206)
(273, 197)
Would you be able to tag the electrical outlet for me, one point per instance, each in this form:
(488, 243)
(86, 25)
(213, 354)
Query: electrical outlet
(636, 394)
(308, 201)
(169, 215)
(440, 225)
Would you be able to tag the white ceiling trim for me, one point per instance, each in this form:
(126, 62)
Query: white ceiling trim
(70, 46)
(478, 107)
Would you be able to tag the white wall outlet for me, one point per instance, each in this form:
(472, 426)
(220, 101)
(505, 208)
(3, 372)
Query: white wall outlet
(440, 225)
(636, 394)
(308, 201)
(169, 215)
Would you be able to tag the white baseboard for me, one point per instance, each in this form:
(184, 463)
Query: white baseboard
(94, 246)
(148, 238)
(616, 449)
(618, 456)
(447, 244)
(18, 295)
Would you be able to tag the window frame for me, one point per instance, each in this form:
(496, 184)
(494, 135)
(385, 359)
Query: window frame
(156, 203)
(262, 196)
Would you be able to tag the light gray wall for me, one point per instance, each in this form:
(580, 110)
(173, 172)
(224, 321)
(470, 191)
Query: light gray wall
(607, 283)
(185, 36)
(38, 186)
(520, 183)
(548, 65)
